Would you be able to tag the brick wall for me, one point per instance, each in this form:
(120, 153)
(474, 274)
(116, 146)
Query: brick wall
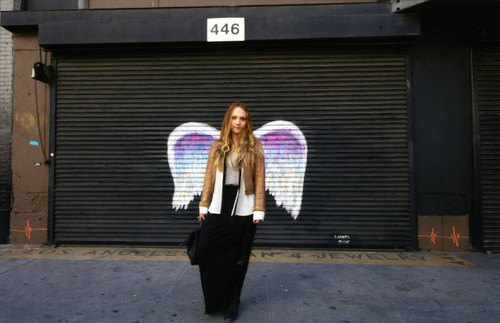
(6, 71)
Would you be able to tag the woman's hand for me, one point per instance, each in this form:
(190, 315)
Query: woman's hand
(256, 221)
(201, 217)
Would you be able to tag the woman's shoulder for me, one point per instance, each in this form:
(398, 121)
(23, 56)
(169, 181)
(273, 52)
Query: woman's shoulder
(257, 147)
(257, 144)
(216, 145)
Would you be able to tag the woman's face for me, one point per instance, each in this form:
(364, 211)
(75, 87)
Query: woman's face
(238, 120)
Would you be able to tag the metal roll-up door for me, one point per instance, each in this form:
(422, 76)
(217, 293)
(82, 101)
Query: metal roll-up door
(487, 116)
(114, 113)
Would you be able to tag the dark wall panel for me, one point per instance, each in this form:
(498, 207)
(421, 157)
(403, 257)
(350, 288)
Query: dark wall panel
(442, 126)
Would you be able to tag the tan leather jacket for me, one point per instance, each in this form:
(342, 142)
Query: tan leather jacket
(253, 175)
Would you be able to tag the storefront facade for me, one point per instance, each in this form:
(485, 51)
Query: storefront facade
(339, 92)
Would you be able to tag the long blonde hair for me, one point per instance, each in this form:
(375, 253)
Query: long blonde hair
(248, 143)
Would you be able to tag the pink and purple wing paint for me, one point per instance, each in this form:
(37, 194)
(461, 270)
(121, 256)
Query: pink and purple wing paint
(188, 148)
(286, 158)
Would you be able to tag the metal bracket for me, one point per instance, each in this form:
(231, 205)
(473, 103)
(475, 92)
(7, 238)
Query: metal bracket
(83, 4)
(400, 5)
(19, 5)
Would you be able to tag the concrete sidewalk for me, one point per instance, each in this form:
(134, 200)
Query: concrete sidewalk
(75, 290)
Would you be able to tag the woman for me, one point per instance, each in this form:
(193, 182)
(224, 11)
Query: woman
(232, 204)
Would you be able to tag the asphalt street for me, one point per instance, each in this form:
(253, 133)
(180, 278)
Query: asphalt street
(42, 284)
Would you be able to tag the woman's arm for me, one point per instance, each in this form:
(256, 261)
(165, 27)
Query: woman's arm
(260, 189)
(208, 183)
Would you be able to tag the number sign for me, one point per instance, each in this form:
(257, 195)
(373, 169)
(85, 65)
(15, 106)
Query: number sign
(225, 29)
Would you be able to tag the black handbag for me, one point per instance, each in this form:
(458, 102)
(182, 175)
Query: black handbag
(192, 245)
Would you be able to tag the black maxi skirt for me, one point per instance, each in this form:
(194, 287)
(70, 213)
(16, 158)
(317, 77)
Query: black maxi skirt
(224, 246)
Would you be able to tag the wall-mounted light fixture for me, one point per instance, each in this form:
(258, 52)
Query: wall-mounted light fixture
(41, 73)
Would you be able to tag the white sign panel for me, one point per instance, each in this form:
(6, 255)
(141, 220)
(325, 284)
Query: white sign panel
(225, 29)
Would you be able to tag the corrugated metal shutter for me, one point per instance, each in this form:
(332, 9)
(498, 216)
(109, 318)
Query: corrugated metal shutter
(487, 101)
(114, 114)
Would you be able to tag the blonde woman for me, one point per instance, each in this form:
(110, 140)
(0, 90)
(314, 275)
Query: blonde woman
(232, 204)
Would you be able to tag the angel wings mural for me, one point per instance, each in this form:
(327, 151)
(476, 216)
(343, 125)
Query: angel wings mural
(285, 149)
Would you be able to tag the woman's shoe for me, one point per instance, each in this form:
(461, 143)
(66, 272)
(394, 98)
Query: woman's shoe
(232, 312)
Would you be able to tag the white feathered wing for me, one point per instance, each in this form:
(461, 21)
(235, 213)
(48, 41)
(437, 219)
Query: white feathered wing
(285, 150)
